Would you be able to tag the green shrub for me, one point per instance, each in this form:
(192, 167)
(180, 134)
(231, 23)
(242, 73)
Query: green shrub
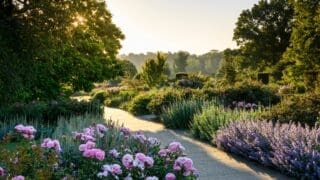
(139, 104)
(49, 111)
(179, 115)
(297, 108)
(163, 99)
(207, 122)
(100, 96)
(251, 94)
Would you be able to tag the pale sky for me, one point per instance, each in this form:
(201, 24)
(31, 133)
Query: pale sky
(197, 26)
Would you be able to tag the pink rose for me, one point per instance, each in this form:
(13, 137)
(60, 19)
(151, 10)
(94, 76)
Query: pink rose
(18, 177)
(162, 153)
(175, 147)
(127, 161)
(1, 171)
(170, 176)
(99, 154)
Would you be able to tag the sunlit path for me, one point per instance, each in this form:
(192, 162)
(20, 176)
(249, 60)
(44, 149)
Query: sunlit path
(211, 162)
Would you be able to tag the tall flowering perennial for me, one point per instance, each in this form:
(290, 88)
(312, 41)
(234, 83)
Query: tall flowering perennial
(27, 132)
(291, 148)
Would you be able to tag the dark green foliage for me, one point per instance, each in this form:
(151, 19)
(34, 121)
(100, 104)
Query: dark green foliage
(153, 71)
(193, 81)
(298, 108)
(139, 104)
(129, 69)
(49, 111)
(179, 115)
(163, 99)
(49, 47)
(117, 100)
(180, 62)
(249, 93)
(304, 50)
(263, 32)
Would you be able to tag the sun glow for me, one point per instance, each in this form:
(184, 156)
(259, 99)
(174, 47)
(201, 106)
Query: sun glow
(79, 20)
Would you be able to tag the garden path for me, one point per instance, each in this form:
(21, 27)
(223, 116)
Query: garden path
(212, 163)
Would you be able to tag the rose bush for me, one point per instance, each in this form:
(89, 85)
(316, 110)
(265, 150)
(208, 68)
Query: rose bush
(100, 151)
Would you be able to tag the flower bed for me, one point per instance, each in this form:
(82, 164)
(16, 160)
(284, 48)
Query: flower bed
(291, 148)
(97, 152)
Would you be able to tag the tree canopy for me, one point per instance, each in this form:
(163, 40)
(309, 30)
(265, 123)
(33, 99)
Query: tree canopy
(263, 33)
(48, 47)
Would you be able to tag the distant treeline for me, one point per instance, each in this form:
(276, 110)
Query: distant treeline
(207, 63)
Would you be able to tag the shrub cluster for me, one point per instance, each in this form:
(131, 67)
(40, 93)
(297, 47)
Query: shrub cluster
(207, 122)
(297, 108)
(179, 115)
(49, 111)
(291, 148)
(98, 151)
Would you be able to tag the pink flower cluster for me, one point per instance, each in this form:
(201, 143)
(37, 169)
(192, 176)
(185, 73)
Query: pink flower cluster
(26, 131)
(174, 147)
(1, 171)
(152, 178)
(141, 161)
(18, 177)
(152, 142)
(101, 129)
(114, 153)
(170, 176)
(114, 170)
(51, 144)
(90, 152)
(88, 134)
(184, 164)
(139, 136)
(94, 153)
(125, 131)
(86, 146)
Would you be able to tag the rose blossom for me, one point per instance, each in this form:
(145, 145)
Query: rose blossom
(94, 153)
(170, 176)
(18, 177)
(185, 164)
(175, 147)
(127, 161)
(87, 145)
(1, 171)
(162, 152)
(114, 153)
(152, 178)
(51, 144)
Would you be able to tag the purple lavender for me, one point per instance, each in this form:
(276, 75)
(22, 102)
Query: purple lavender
(291, 148)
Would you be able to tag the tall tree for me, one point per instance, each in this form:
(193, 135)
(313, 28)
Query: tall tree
(263, 32)
(153, 71)
(180, 62)
(303, 54)
(50, 46)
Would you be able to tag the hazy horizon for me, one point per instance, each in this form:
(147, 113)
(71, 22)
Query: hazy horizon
(170, 26)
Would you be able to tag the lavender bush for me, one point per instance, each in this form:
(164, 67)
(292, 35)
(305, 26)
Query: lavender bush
(291, 148)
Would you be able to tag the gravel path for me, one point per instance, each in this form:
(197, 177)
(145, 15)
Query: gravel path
(212, 163)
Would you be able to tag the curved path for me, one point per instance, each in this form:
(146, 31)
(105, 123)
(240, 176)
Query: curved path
(212, 163)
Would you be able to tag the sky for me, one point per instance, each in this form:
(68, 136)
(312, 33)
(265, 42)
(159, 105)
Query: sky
(196, 26)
